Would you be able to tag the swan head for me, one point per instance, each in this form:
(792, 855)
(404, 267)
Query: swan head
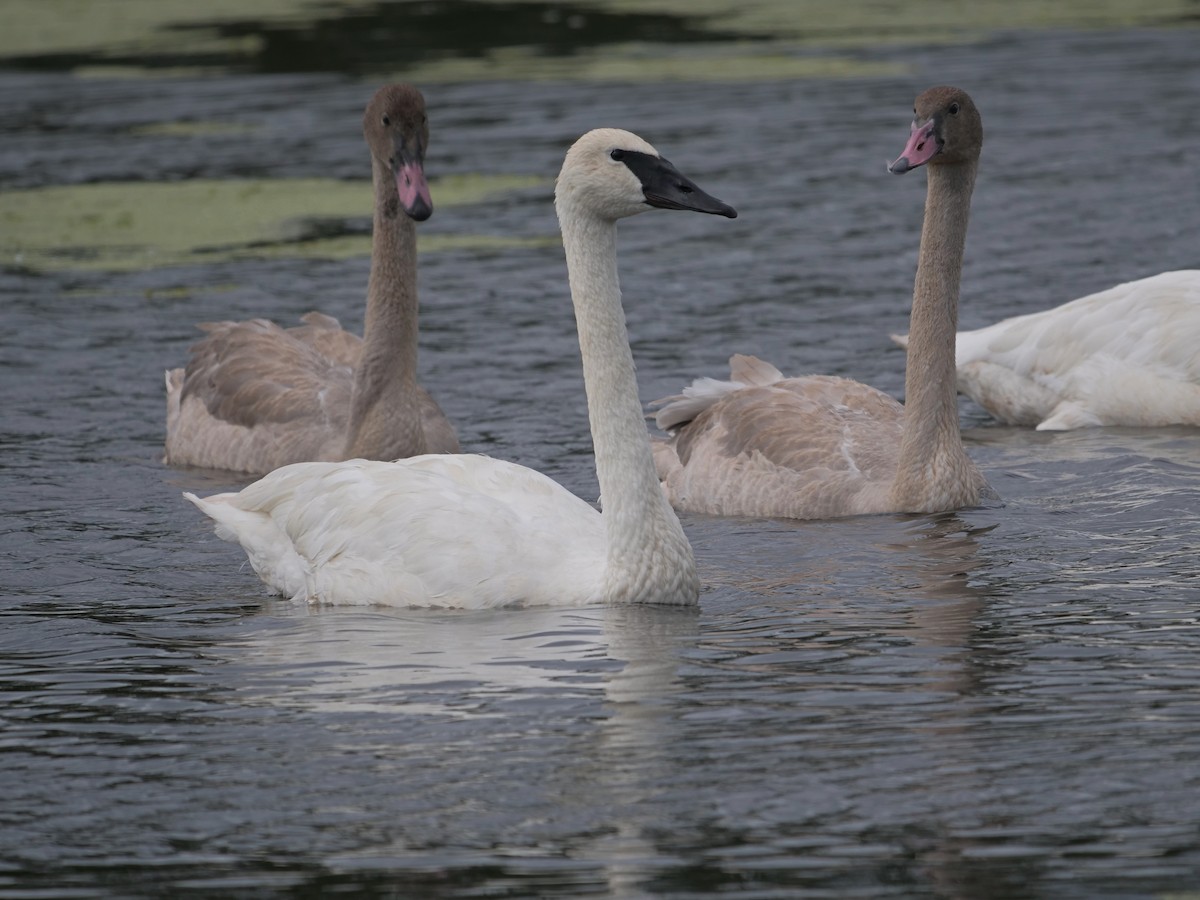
(397, 131)
(946, 129)
(614, 174)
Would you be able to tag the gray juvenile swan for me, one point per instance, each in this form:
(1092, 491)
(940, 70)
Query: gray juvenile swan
(255, 396)
(468, 531)
(819, 447)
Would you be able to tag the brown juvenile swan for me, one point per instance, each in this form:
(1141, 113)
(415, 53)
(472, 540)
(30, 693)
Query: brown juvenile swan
(818, 447)
(256, 396)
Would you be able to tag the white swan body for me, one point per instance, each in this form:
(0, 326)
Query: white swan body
(370, 532)
(255, 396)
(469, 531)
(1129, 355)
(820, 447)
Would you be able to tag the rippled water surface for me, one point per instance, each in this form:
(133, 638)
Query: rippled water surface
(1002, 702)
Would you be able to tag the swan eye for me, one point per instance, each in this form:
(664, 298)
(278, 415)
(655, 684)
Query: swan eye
(954, 109)
(386, 121)
(617, 154)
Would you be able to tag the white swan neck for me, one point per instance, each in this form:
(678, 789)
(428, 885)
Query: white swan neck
(647, 549)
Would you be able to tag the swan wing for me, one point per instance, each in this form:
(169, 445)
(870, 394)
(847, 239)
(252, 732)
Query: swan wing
(810, 447)
(750, 370)
(254, 371)
(255, 396)
(744, 371)
(1129, 355)
(325, 335)
(460, 531)
(440, 436)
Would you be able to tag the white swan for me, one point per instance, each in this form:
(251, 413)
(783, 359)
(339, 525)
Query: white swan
(470, 531)
(820, 447)
(1129, 355)
(255, 396)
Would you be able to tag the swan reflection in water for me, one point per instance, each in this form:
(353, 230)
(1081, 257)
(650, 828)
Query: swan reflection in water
(468, 707)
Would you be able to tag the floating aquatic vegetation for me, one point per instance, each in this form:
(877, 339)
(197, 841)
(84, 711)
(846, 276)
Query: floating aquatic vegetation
(132, 225)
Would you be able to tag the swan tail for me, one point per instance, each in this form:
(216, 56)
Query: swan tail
(1068, 417)
(320, 320)
(174, 383)
(744, 371)
(680, 409)
(752, 371)
(900, 339)
(271, 552)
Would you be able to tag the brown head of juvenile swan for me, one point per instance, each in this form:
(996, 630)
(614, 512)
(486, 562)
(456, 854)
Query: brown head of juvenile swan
(819, 447)
(255, 396)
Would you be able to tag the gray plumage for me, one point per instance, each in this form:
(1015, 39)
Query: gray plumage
(255, 396)
(820, 447)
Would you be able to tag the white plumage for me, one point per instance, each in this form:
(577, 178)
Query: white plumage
(1129, 355)
(472, 532)
(457, 531)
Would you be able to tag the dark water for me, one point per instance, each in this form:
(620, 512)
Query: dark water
(995, 703)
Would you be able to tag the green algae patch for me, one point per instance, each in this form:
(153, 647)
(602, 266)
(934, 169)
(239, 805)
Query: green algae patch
(531, 40)
(130, 225)
(465, 190)
(836, 23)
(723, 62)
(524, 39)
(128, 28)
(191, 129)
